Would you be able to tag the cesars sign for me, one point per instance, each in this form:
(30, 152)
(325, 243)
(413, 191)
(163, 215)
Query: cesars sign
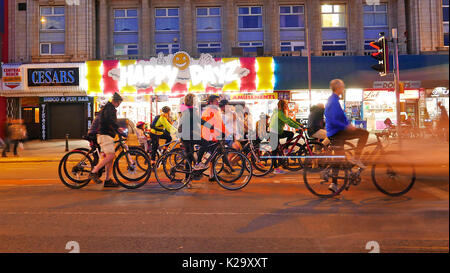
(180, 73)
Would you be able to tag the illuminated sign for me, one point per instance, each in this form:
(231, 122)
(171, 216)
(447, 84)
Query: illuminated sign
(12, 77)
(53, 76)
(180, 73)
(269, 96)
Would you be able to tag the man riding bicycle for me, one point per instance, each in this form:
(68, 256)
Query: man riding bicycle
(105, 138)
(161, 128)
(339, 128)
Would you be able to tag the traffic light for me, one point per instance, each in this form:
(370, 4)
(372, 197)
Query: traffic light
(382, 56)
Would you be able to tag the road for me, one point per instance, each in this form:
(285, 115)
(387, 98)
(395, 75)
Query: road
(274, 214)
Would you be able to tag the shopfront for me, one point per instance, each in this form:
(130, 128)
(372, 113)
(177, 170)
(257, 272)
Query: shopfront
(433, 96)
(50, 99)
(149, 85)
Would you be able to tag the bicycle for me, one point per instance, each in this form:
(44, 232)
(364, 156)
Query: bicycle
(383, 164)
(228, 166)
(290, 154)
(262, 164)
(78, 163)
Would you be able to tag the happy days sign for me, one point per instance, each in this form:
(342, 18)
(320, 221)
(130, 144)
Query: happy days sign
(178, 68)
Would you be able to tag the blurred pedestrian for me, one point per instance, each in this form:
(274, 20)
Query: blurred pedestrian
(443, 121)
(16, 133)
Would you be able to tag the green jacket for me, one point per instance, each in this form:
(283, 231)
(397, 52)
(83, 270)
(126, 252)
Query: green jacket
(279, 119)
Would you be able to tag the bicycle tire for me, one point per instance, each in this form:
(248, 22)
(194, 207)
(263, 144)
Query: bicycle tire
(258, 171)
(228, 183)
(411, 177)
(311, 180)
(62, 167)
(184, 167)
(139, 180)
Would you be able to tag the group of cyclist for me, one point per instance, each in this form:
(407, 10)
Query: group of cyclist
(217, 121)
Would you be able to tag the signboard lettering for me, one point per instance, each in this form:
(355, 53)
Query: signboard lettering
(53, 76)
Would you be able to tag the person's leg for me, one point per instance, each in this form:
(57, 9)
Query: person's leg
(16, 145)
(287, 134)
(322, 135)
(6, 148)
(155, 144)
(360, 134)
(107, 147)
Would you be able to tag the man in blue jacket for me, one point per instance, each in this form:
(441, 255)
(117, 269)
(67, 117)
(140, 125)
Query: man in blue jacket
(339, 129)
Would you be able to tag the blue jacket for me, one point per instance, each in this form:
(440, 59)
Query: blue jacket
(335, 118)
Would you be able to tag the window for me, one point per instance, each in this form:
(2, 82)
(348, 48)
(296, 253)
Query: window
(167, 48)
(292, 28)
(334, 31)
(445, 10)
(126, 32)
(209, 47)
(250, 28)
(209, 30)
(167, 34)
(333, 16)
(52, 31)
(375, 21)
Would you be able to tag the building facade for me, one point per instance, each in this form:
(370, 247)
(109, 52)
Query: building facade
(79, 30)
(59, 39)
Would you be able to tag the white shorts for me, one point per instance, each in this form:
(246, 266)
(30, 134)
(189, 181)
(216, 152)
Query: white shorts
(106, 143)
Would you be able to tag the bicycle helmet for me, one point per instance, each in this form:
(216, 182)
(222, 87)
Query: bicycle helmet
(140, 124)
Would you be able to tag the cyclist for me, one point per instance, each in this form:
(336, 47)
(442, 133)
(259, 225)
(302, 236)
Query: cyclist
(161, 128)
(339, 128)
(141, 136)
(212, 130)
(105, 138)
(277, 122)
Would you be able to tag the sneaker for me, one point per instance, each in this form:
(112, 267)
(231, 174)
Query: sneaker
(357, 163)
(196, 177)
(211, 179)
(279, 171)
(95, 177)
(200, 166)
(110, 184)
(333, 187)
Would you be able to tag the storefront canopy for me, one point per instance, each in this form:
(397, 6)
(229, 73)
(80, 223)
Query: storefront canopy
(292, 72)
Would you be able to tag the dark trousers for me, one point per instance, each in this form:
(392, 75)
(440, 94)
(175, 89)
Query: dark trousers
(339, 138)
(8, 143)
(189, 148)
(166, 136)
(286, 134)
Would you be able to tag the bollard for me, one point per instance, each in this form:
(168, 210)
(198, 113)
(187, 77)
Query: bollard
(67, 142)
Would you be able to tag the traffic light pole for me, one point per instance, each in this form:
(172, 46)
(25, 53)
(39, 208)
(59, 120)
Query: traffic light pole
(397, 85)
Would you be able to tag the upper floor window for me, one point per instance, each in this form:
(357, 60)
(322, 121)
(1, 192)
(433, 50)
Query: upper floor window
(126, 27)
(333, 16)
(375, 21)
(445, 10)
(209, 30)
(292, 28)
(52, 30)
(250, 32)
(250, 18)
(167, 30)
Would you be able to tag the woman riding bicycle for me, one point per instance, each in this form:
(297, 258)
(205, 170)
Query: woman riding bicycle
(277, 122)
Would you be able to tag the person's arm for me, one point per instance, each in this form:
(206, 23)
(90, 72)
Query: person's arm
(166, 124)
(337, 115)
(292, 123)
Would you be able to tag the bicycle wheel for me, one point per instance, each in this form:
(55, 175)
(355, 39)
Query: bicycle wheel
(318, 181)
(392, 176)
(173, 177)
(315, 149)
(76, 166)
(292, 162)
(127, 167)
(261, 166)
(232, 170)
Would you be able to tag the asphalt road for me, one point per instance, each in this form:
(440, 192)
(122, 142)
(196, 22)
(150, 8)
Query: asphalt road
(272, 214)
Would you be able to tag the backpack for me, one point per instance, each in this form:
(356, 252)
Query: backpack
(153, 125)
